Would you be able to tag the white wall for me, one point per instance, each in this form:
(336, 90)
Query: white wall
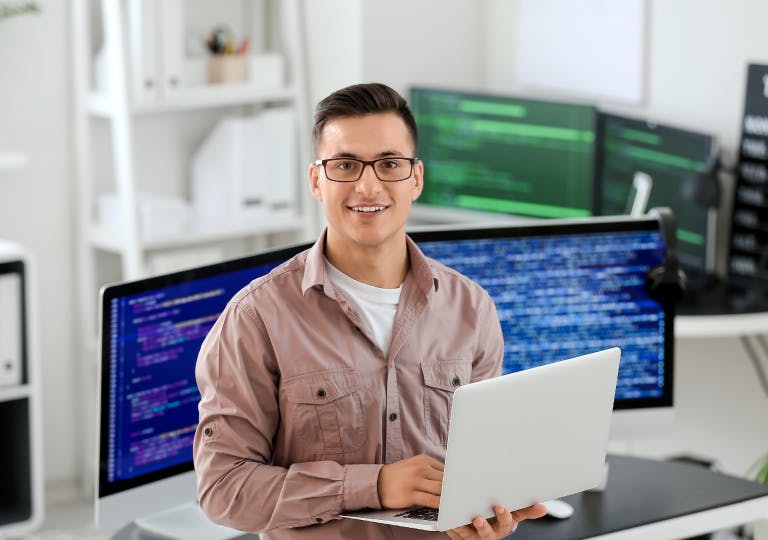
(397, 42)
(36, 205)
(697, 52)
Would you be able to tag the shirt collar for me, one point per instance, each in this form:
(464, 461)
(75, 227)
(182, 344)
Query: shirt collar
(314, 268)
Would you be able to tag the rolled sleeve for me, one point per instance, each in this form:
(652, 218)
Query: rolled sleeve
(361, 487)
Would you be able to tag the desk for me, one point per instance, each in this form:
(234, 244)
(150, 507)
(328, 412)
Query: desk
(647, 499)
(643, 499)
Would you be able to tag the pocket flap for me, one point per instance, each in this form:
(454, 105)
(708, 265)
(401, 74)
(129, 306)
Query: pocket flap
(446, 374)
(321, 387)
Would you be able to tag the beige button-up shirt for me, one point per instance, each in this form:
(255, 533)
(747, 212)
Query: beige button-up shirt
(300, 408)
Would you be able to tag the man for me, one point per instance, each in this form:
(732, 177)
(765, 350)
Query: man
(327, 384)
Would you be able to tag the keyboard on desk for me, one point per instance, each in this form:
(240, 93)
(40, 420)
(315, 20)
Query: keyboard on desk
(419, 512)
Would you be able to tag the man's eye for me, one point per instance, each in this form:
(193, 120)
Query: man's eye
(391, 164)
(345, 165)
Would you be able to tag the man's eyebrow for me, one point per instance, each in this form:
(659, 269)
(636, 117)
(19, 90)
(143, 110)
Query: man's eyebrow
(389, 153)
(382, 154)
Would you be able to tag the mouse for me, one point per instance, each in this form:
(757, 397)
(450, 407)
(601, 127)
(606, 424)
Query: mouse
(558, 509)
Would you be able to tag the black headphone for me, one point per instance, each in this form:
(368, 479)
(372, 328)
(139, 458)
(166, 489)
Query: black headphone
(666, 283)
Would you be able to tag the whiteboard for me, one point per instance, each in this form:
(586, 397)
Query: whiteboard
(589, 48)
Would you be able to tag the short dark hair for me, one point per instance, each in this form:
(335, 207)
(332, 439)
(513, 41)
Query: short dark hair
(359, 100)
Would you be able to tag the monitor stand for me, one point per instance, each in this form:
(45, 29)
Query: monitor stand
(185, 522)
(642, 184)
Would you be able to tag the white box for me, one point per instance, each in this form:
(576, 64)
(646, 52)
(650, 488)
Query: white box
(245, 171)
(10, 329)
(159, 216)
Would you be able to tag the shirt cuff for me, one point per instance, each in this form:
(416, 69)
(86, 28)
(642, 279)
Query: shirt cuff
(361, 487)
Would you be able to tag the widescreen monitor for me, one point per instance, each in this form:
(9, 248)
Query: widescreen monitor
(151, 331)
(501, 154)
(681, 166)
(562, 288)
(566, 288)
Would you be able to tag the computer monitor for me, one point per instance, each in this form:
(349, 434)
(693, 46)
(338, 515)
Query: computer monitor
(563, 288)
(682, 167)
(151, 332)
(501, 154)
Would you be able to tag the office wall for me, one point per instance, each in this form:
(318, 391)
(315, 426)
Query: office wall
(36, 205)
(697, 51)
(398, 42)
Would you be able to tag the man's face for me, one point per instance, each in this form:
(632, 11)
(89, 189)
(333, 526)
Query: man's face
(369, 212)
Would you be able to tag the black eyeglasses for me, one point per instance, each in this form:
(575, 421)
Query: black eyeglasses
(388, 169)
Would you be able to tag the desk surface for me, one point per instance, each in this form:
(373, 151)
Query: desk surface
(717, 308)
(640, 493)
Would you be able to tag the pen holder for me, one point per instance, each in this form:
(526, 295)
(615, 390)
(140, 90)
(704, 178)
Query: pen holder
(228, 68)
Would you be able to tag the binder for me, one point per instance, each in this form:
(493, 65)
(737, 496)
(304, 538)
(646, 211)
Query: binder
(10, 329)
(143, 43)
(172, 46)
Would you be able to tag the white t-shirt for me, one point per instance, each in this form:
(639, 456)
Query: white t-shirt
(377, 307)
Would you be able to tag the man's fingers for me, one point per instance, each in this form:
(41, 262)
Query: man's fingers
(504, 523)
(429, 500)
(433, 474)
(429, 486)
(434, 464)
(530, 512)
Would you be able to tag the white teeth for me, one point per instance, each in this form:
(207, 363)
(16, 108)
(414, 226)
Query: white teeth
(368, 208)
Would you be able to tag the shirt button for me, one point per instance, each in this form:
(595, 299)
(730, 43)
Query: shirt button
(321, 393)
(456, 381)
(207, 432)
(393, 417)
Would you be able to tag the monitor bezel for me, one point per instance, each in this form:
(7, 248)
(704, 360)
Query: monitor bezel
(553, 227)
(129, 288)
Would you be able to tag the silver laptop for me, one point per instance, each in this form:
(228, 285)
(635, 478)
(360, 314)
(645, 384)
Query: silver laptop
(521, 438)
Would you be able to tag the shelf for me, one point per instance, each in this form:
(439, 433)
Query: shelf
(718, 326)
(10, 393)
(110, 240)
(12, 160)
(196, 97)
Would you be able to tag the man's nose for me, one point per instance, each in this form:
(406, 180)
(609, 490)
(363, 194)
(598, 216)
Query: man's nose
(368, 182)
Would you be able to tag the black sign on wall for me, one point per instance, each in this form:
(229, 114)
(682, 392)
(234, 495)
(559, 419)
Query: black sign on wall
(749, 226)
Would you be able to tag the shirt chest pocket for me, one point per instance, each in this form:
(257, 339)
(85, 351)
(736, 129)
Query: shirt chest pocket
(441, 379)
(324, 410)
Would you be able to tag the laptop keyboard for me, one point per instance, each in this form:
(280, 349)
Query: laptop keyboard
(419, 512)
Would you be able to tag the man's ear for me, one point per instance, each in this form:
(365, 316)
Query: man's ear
(314, 182)
(418, 184)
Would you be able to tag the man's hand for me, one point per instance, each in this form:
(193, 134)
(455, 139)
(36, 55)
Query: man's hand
(503, 524)
(415, 481)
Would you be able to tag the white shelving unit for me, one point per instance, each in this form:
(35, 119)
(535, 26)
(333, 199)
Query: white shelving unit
(21, 496)
(109, 100)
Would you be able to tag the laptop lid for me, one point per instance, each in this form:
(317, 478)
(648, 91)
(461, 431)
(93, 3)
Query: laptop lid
(528, 437)
(522, 438)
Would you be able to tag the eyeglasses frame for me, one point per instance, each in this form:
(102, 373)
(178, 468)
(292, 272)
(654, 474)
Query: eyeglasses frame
(413, 161)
